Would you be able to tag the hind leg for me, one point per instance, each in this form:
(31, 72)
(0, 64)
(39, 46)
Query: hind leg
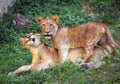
(88, 53)
(91, 42)
(104, 42)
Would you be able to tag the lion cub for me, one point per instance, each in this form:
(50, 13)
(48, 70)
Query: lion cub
(87, 35)
(44, 57)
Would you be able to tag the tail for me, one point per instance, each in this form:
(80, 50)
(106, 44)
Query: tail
(108, 32)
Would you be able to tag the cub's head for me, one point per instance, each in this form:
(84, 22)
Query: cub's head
(31, 39)
(48, 26)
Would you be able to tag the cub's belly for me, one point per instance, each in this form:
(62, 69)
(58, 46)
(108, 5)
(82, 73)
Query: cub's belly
(76, 44)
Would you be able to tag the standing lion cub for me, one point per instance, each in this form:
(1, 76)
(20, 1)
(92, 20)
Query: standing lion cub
(86, 35)
(44, 57)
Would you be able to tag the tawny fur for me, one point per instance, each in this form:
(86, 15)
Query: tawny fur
(86, 35)
(44, 57)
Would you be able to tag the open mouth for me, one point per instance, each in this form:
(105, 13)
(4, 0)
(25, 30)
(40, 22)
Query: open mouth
(48, 36)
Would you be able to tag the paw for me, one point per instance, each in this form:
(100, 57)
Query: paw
(11, 74)
(88, 65)
(84, 66)
(79, 61)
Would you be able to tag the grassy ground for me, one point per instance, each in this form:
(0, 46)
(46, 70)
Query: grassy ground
(14, 55)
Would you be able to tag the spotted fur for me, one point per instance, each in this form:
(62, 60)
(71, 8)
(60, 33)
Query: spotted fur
(87, 35)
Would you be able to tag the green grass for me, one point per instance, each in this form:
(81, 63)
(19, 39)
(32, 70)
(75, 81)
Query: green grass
(13, 54)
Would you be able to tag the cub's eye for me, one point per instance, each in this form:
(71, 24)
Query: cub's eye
(28, 36)
(43, 24)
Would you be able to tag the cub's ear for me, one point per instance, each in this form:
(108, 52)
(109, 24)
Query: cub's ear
(55, 18)
(22, 40)
(38, 35)
(39, 19)
(27, 35)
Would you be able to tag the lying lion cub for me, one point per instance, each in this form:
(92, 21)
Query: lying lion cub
(44, 57)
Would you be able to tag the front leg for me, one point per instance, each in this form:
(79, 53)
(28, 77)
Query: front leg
(41, 67)
(88, 53)
(20, 70)
(63, 52)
